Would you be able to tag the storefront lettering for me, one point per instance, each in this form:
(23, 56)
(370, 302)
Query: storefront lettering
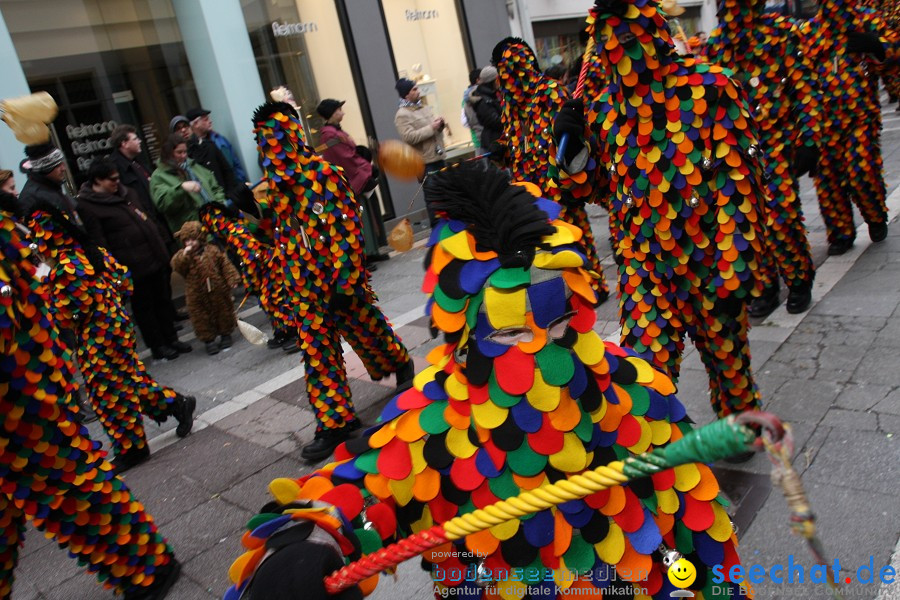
(85, 150)
(421, 15)
(287, 29)
(82, 131)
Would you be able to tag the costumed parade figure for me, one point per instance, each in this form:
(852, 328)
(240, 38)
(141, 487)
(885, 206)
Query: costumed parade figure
(889, 12)
(522, 394)
(86, 287)
(316, 262)
(529, 99)
(51, 472)
(850, 169)
(765, 51)
(673, 142)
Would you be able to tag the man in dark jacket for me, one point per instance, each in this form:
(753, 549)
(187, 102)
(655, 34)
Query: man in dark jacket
(486, 103)
(114, 218)
(46, 169)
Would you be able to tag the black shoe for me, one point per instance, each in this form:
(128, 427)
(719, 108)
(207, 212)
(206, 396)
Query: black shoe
(166, 352)
(325, 443)
(181, 347)
(179, 327)
(132, 458)
(225, 341)
(212, 347)
(840, 247)
(371, 268)
(766, 304)
(182, 408)
(878, 231)
(291, 345)
(405, 376)
(181, 315)
(277, 340)
(799, 298)
(164, 578)
(372, 258)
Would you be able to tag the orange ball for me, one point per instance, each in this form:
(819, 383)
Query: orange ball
(400, 160)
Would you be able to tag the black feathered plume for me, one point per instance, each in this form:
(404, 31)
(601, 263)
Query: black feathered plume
(501, 217)
(265, 112)
(610, 7)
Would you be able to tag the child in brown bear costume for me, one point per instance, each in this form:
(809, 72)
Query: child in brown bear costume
(210, 279)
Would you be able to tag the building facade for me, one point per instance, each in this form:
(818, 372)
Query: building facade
(142, 62)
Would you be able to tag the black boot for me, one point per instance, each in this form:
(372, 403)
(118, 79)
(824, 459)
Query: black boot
(182, 408)
(166, 352)
(326, 441)
(878, 231)
(181, 347)
(132, 458)
(840, 246)
(164, 578)
(405, 375)
(277, 340)
(799, 298)
(766, 304)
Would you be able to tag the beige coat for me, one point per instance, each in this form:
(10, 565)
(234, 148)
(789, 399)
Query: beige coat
(414, 126)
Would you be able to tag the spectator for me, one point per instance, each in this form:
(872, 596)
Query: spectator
(46, 174)
(469, 118)
(115, 219)
(206, 152)
(486, 103)
(210, 279)
(421, 129)
(180, 186)
(8, 183)
(558, 72)
(337, 147)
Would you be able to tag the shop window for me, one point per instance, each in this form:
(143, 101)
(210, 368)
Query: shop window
(427, 42)
(105, 62)
(299, 44)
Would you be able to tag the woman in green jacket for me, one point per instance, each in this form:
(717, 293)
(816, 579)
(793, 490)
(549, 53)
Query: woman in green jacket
(180, 186)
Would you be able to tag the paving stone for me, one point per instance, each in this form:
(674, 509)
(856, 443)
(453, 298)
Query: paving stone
(889, 425)
(51, 566)
(253, 491)
(840, 459)
(414, 336)
(850, 419)
(878, 366)
(837, 363)
(796, 361)
(166, 494)
(292, 393)
(803, 400)
(411, 582)
(862, 396)
(209, 569)
(871, 532)
(267, 422)
(206, 526)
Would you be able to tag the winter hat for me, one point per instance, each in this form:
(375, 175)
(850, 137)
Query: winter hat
(328, 106)
(44, 157)
(404, 86)
(488, 74)
(176, 120)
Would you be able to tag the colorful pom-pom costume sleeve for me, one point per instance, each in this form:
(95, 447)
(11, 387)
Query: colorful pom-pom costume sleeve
(765, 51)
(317, 255)
(850, 169)
(86, 287)
(51, 472)
(674, 143)
(522, 393)
(529, 100)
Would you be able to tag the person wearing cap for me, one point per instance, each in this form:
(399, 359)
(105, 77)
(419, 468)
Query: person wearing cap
(337, 147)
(201, 126)
(485, 100)
(46, 175)
(420, 128)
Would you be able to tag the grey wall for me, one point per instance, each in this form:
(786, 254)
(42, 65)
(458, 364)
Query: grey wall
(488, 24)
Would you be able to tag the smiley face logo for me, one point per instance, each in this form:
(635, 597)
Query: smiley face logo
(682, 573)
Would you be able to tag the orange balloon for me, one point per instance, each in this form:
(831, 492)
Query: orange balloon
(400, 160)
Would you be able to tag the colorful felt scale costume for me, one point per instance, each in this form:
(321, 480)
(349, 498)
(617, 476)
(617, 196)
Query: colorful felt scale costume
(529, 99)
(850, 169)
(522, 393)
(86, 287)
(51, 472)
(317, 256)
(889, 12)
(675, 145)
(766, 53)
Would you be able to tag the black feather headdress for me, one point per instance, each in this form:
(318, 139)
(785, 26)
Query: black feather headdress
(269, 109)
(501, 217)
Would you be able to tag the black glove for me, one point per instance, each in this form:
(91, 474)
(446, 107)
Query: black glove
(569, 121)
(806, 158)
(859, 42)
